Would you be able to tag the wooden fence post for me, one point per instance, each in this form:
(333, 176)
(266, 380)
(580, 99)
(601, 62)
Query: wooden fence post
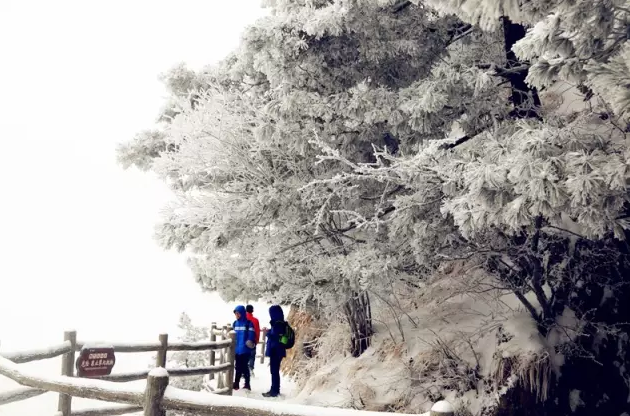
(157, 381)
(442, 408)
(213, 338)
(221, 376)
(263, 347)
(231, 356)
(160, 359)
(229, 381)
(67, 369)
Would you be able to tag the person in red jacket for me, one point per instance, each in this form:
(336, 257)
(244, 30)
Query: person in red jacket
(254, 321)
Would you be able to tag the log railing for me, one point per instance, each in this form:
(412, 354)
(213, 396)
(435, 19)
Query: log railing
(223, 366)
(157, 396)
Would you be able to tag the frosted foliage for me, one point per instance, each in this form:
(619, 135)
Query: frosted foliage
(189, 359)
(485, 13)
(538, 170)
(346, 145)
(142, 150)
(582, 42)
(258, 210)
(612, 81)
(510, 177)
(368, 146)
(180, 81)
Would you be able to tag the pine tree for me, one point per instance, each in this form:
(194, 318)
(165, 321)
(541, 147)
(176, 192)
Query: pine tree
(348, 146)
(262, 213)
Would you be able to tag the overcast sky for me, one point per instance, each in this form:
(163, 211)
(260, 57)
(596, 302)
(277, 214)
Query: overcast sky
(76, 231)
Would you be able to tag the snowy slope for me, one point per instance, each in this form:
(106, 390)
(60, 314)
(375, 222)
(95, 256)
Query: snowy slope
(452, 345)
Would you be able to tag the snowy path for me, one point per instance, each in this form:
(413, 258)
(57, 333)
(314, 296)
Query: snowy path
(261, 382)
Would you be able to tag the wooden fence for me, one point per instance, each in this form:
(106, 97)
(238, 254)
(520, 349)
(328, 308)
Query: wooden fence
(221, 347)
(157, 396)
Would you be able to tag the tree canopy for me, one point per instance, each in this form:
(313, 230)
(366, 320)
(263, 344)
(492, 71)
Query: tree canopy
(348, 146)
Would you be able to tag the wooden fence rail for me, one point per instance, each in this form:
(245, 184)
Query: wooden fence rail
(19, 394)
(157, 396)
(67, 349)
(37, 355)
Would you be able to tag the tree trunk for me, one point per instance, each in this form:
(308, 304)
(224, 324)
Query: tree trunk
(359, 315)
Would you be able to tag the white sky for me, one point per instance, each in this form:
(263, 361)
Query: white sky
(76, 231)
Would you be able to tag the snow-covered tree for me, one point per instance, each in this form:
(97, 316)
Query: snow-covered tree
(541, 201)
(260, 213)
(349, 143)
(189, 359)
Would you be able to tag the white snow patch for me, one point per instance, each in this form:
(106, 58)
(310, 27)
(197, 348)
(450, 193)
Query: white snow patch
(442, 407)
(608, 294)
(574, 400)
(158, 372)
(526, 337)
(97, 344)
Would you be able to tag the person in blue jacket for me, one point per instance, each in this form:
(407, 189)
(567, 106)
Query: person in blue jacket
(245, 336)
(275, 350)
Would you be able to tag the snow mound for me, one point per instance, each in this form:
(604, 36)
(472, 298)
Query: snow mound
(454, 340)
(442, 407)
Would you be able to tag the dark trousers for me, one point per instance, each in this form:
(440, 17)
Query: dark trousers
(274, 367)
(240, 364)
(252, 359)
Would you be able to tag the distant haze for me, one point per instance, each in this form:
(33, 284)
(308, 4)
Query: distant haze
(76, 231)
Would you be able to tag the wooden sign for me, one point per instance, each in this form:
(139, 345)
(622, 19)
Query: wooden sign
(95, 362)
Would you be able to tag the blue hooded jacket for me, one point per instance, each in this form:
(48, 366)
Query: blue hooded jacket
(244, 331)
(274, 347)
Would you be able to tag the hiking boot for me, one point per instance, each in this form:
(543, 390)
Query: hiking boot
(235, 386)
(271, 394)
(247, 387)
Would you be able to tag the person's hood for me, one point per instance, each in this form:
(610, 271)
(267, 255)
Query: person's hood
(241, 309)
(250, 315)
(275, 313)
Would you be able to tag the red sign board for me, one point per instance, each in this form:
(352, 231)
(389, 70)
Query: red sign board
(95, 362)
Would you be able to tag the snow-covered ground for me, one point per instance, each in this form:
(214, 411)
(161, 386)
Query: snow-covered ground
(261, 382)
(449, 342)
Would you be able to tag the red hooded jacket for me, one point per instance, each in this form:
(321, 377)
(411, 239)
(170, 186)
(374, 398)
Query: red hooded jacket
(254, 321)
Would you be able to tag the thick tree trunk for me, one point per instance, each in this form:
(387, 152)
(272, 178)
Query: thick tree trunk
(359, 315)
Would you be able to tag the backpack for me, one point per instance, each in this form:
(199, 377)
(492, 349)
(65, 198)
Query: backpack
(288, 338)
